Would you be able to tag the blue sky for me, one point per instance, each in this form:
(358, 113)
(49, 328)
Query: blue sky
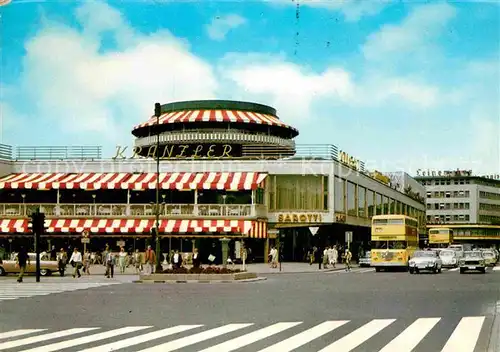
(400, 86)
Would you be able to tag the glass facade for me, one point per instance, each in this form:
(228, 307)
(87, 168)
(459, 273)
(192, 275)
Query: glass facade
(352, 205)
(297, 192)
(370, 203)
(380, 204)
(361, 202)
(340, 189)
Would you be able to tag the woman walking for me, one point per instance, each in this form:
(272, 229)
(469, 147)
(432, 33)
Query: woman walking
(122, 260)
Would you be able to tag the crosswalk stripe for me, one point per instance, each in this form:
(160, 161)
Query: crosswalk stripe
(358, 336)
(496, 268)
(12, 291)
(454, 269)
(87, 339)
(304, 337)
(40, 338)
(17, 333)
(465, 335)
(191, 340)
(136, 340)
(366, 271)
(250, 338)
(411, 336)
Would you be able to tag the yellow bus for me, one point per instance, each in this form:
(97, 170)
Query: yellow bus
(440, 237)
(394, 239)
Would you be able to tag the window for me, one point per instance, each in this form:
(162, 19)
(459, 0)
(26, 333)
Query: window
(398, 207)
(370, 203)
(380, 204)
(467, 205)
(392, 206)
(339, 192)
(297, 192)
(385, 205)
(325, 192)
(361, 202)
(351, 199)
(429, 206)
(447, 194)
(467, 217)
(429, 195)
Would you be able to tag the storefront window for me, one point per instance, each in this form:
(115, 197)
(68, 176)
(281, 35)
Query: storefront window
(398, 207)
(297, 192)
(370, 203)
(385, 205)
(339, 195)
(380, 206)
(361, 202)
(392, 206)
(352, 205)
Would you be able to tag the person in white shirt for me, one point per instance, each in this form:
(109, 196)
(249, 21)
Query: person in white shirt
(76, 261)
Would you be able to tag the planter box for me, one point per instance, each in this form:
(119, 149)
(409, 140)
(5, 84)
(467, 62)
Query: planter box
(199, 277)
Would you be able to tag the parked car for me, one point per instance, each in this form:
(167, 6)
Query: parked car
(366, 260)
(449, 258)
(489, 257)
(47, 266)
(425, 261)
(472, 260)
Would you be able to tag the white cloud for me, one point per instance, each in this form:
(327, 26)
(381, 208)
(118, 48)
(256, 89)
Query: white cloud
(415, 33)
(221, 25)
(352, 10)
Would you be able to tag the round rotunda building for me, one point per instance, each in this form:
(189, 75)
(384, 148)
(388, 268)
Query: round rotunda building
(215, 129)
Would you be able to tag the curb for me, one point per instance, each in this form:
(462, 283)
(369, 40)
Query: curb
(303, 272)
(494, 343)
(197, 281)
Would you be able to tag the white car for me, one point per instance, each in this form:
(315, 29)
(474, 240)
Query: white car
(425, 261)
(449, 258)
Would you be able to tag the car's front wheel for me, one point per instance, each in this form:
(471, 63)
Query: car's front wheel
(44, 272)
(2, 271)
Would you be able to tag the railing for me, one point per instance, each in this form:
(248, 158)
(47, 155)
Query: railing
(5, 152)
(316, 151)
(59, 153)
(135, 210)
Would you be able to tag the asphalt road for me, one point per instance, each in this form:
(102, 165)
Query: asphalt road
(348, 300)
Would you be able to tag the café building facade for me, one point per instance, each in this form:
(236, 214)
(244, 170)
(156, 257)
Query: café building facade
(227, 170)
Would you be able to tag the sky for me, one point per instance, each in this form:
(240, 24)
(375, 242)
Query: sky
(400, 85)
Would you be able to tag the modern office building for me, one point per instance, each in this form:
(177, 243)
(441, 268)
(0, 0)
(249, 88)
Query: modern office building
(467, 203)
(227, 170)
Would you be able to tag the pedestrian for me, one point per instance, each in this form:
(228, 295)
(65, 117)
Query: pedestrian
(318, 256)
(22, 258)
(325, 257)
(177, 260)
(347, 258)
(86, 262)
(62, 261)
(150, 259)
(137, 261)
(196, 259)
(76, 261)
(109, 262)
(122, 260)
(273, 255)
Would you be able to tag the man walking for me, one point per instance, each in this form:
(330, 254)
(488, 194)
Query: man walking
(22, 258)
(76, 261)
(150, 259)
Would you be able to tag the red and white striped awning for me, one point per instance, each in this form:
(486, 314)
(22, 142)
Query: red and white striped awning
(231, 181)
(234, 116)
(247, 228)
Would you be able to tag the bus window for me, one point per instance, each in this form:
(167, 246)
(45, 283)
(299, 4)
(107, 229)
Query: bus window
(389, 245)
(396, 222)
(379, 221)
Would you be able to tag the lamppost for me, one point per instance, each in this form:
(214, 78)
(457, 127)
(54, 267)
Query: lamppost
(159, 267)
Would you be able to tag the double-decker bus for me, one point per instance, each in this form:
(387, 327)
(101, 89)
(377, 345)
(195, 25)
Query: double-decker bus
(440, 237)
(394, 239)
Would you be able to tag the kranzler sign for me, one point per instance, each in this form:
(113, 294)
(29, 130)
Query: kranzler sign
(181, 151)
(300, 218)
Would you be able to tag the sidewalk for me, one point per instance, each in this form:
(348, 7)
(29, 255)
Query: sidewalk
(258, 268)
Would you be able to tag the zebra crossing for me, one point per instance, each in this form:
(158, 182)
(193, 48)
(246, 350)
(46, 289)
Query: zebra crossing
(14, 290)
(280, 336)
(366, 270)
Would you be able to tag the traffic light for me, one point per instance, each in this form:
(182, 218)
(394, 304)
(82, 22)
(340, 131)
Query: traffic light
(37, 223)
(157, 109)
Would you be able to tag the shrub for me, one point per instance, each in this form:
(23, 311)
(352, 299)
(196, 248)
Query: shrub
(207, 270)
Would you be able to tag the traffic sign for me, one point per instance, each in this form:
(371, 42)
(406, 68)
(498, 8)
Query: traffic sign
(348, 236)
(85, 234)
(85, 240)
(314, 230)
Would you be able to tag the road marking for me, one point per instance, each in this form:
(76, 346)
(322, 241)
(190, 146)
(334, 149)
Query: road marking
(87, 339)
(464, 337)
(250, 338)
(40, 338)
(17, 333)
(358, 336)
(10, 291)
(366, 270)
(136, 340)
(304, 337)
(411, 336)
(454, 269)
(191, 340)
(496, 268)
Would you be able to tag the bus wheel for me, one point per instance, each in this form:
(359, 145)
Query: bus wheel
(377, 270)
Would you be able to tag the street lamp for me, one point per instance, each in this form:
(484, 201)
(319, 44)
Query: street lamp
(159, 268)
